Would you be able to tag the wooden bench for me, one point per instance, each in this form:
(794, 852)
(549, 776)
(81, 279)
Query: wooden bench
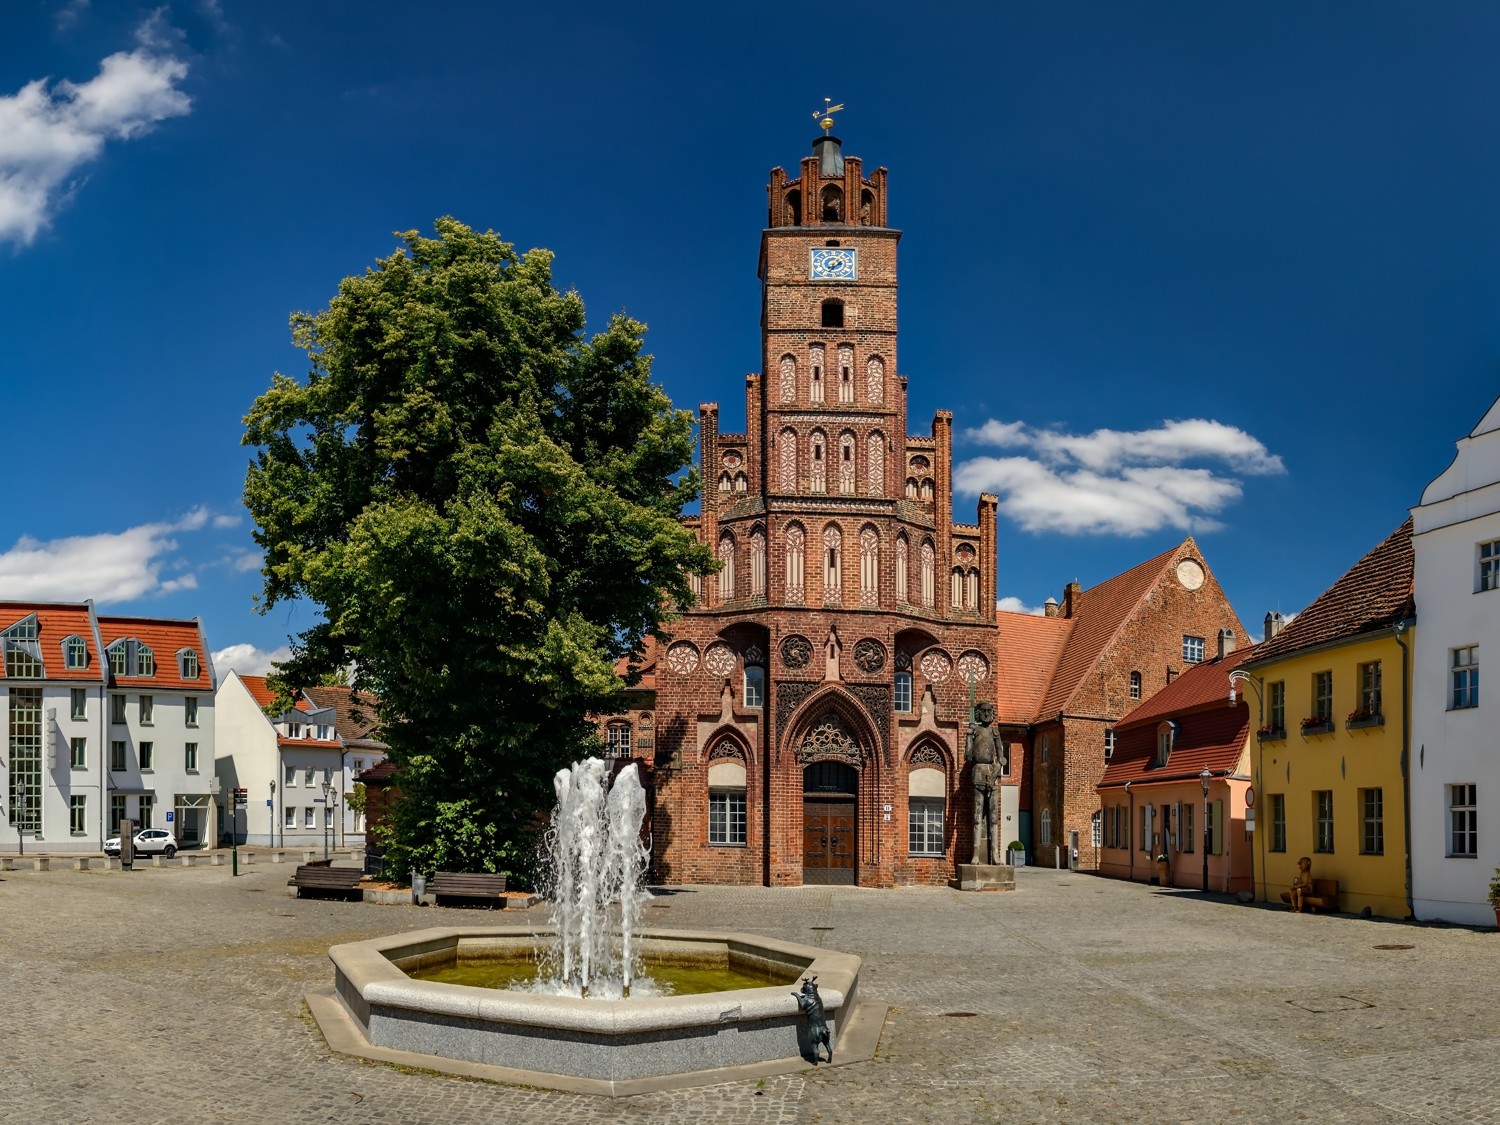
(323, 877)
(473, 887)
(1324, 896)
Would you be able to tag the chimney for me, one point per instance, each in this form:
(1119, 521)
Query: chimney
(1049, 607)
(1071, 594)
(1226, 642)
(1274, 624)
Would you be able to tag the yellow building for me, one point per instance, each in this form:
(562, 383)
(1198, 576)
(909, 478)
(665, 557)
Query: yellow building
(1329, 758)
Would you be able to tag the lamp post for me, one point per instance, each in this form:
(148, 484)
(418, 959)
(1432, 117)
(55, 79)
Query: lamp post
(1236, 678)
(327, 814)
(1204, 779)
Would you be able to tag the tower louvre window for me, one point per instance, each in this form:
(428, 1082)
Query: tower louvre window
(833, 313)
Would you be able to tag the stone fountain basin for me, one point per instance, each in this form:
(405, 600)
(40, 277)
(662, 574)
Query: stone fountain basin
(601, 1043)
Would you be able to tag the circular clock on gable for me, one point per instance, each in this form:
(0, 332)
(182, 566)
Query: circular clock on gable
(1190, 574)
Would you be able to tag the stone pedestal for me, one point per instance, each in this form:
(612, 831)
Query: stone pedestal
(984, 877)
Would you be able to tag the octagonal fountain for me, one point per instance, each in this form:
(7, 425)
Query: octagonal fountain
(591, 1014)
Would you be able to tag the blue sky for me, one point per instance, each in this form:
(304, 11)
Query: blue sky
(1178, 268)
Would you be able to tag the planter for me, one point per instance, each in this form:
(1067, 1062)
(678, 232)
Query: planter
(1361, 724)
(1016, 857)
(1318, 728)
(1271, 735)
(1163, 875)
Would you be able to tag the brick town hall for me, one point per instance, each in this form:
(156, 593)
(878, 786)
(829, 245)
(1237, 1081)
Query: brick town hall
(805, 721)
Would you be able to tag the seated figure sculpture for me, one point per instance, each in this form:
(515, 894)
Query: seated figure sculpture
(1302, 883)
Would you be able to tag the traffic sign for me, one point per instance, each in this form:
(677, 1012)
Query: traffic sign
(1249, 796)
(169, 816)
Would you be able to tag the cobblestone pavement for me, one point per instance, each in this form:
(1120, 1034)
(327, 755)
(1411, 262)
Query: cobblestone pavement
(174, 995)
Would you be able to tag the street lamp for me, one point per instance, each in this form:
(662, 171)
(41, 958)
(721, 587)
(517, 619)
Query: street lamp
(1236, 678)
(1204, 779)
(327, 814)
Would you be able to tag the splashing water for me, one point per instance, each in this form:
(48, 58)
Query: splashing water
(597, 863)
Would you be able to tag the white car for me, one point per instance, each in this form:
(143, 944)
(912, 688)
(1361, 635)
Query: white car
(148, 841)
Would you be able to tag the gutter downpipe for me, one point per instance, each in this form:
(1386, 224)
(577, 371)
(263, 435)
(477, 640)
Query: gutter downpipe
(1401, 627)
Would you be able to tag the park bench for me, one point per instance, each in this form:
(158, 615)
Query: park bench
(323, 877)
(1324, 896)
(473, 887)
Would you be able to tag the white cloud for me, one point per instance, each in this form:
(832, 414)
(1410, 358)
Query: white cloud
(69, 14)
(248, 660)
(224, 521)
(110, 566)
(1016, 605)
(46, 135)
(1114, 481)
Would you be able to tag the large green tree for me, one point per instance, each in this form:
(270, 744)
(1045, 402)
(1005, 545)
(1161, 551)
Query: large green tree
(485, 504)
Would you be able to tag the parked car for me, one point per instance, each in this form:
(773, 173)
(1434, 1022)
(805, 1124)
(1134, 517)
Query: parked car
(148, 841)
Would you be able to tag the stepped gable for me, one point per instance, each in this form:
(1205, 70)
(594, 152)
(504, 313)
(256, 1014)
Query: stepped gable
(1026, 658)
(1097, 615)
(1373, 594)
(1214, 739)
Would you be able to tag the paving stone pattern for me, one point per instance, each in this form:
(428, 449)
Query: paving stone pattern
(175, 995)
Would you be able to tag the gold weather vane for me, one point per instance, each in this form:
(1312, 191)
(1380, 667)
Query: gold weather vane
(826, 113)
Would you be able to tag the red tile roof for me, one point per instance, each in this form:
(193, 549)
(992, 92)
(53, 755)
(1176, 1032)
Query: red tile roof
(256, 686)
(1210, 733)
(309, 743)
(1373, 594)
(55, 623)
(166, 639)
(356, 714)
(1028, 652)
(646, 662)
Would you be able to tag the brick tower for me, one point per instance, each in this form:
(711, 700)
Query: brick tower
(810, 709)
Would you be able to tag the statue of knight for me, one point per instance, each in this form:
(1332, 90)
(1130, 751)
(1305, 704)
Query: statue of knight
(985, 754)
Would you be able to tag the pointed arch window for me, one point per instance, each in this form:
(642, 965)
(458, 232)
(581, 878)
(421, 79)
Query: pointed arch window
(726, 482)
(846, 373)
(796, 547)
(815, 354)
(956, 588)
(929, 577)
(927, 788)
(758, 562)
(846, 462)
(726, 571)
(869, 567)
(818, 462)
(786, 449)
(971, 590)
(794, 208)
(833, 565)
(911, 488)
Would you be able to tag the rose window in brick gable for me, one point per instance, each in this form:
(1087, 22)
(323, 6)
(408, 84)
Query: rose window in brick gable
(719, 661)
(682, 658)
(869, 655)
(937, 666)
(972, 667)
(796, 651)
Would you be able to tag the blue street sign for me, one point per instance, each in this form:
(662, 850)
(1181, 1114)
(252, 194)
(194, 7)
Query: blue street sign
(169, 816)
(268, 802)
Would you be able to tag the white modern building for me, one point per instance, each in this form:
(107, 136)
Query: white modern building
(105, 719)
(297, 766)
(1455, 767)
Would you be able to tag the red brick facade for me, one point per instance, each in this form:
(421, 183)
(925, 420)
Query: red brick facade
(845, 581)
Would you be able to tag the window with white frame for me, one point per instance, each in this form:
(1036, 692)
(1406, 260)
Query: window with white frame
(78, 820)
(617, 740)
(755, 686)
(1192, 650)
(1464, 678)
(1322, 695)
(1489, 565)
(307, 777)
(926, 805)
(903, 692)
(79, 699)
(1369, 690)
(25, 742)
(289, 777)
(1166, 738)
(118, 663)
(290, 818)
(1371, 822)
(1463, 820)
(1109, 744)
(145, 661)
(1135, 685)
(190, 710)
(75, 653)
(726, 803)
(79, 756)
(1046, 836)
(1096, 829)
(1276, 706)
(188, 660)
(1323, 820)
(310, 816)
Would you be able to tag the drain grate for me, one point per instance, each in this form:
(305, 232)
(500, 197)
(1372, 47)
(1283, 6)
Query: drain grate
(1394, 945)
(959, 1015)
(825, 928)
(1331, 1004)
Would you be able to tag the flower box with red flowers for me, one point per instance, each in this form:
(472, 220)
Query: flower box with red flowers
(1364, 717)
(1271, 734)
(1317, 724)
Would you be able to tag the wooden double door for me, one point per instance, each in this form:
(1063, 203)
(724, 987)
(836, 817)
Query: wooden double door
(829, 821)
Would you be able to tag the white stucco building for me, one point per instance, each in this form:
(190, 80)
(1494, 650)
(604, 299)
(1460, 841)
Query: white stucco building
(298, 766)
(105, 718)
(1455, 739)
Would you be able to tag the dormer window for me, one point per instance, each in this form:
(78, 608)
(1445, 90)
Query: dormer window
(187, 663)
(145, 661)
(118, 658)
(1166, 738)
(75, 653)
(23, 652)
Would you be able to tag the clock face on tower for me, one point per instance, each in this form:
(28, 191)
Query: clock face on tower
(833, 263)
